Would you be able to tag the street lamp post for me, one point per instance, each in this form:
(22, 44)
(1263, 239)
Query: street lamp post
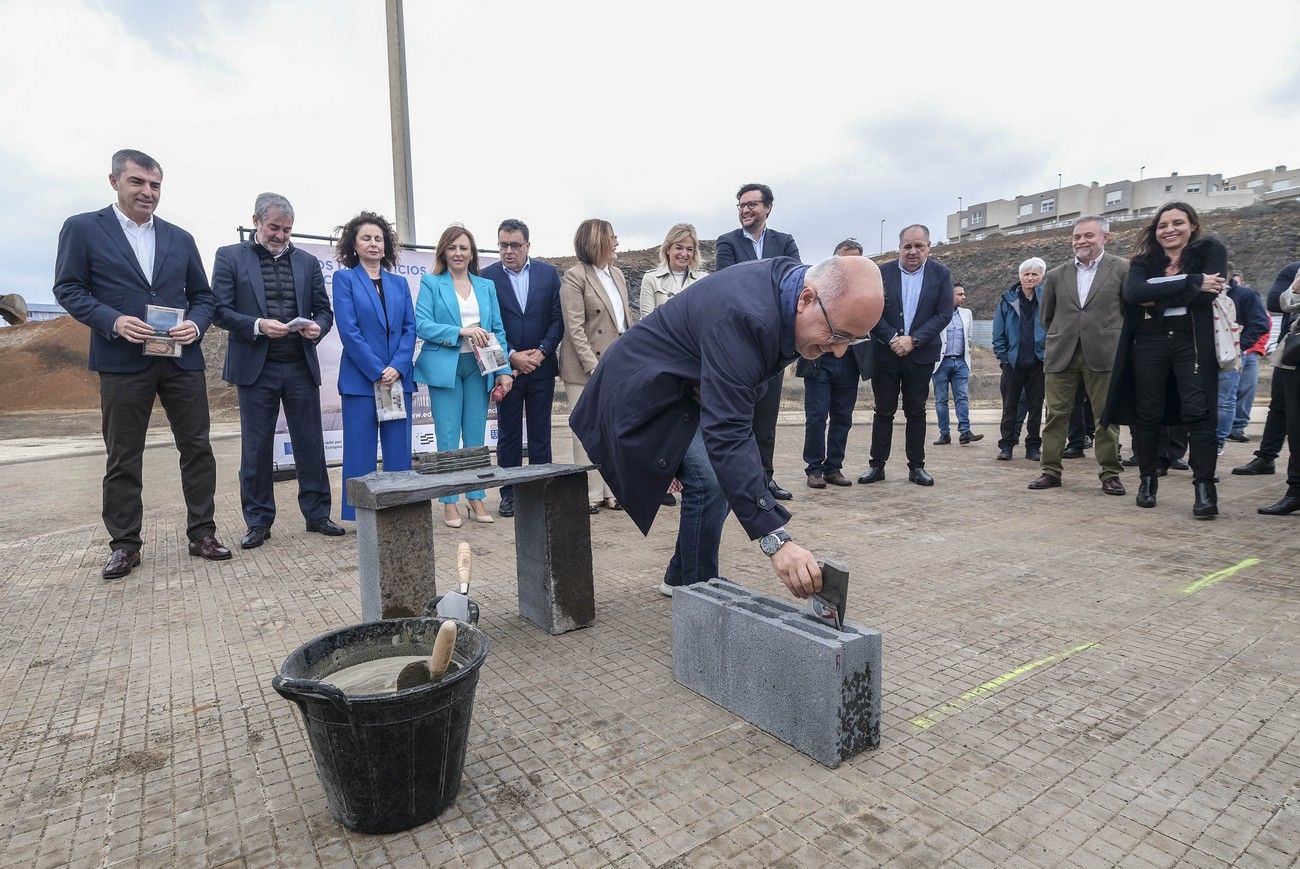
(882, 235)
(400, 121)
(1141, 171)
(960, 209)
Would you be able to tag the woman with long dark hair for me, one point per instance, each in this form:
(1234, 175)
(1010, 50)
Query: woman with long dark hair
(1166, 371)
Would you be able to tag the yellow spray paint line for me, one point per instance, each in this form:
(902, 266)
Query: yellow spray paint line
(1211, 579)
(932, 717)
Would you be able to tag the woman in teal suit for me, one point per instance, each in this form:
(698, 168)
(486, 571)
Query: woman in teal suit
(457, 310)
(376, 323)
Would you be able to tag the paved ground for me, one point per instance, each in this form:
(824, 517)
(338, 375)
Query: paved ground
(1069, 681)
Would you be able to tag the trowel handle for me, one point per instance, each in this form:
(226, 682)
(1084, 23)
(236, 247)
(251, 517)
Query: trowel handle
(464, 562)
(443, 645)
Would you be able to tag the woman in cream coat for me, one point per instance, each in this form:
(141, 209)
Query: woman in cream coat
(679, 267)
(593, 299)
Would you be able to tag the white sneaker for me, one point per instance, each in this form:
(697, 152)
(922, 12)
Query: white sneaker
(1220, 449)
(665, 589)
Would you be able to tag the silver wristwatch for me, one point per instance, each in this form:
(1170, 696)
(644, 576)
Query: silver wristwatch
(772, 543)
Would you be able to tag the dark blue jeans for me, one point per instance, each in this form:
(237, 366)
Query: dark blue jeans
(704, 511)
(830, 391)
(952, 371)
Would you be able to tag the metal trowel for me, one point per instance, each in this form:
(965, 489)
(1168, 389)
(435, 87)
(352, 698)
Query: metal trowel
(456, 605)
(827, 605)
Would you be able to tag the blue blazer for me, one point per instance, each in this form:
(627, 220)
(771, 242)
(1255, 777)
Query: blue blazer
(540, 327)
(437, 322)
(735, 247)
(241, 301)
(374, 337)
(97, 279)
(933, 313)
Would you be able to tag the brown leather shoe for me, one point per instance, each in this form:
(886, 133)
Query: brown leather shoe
(1112, 486)
(835, 478)
(210, 548)
(816, 481)
(1045, 481)
(120, 563)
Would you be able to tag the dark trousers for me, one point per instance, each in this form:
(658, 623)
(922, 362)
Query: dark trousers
(1081, 420)
(831, 390)
(290, 384)
(1291, 398)
(1157, 357)
(765, 411)
(529, 398)
(895, 377)
(126, 403)
(1275, 424)
(1015, 381)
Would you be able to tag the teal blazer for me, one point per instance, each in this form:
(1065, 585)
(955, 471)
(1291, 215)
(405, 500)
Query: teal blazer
(437, 321)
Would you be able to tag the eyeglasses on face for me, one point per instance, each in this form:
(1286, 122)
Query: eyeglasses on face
(512, 245)
(749, 206)
(836, 334)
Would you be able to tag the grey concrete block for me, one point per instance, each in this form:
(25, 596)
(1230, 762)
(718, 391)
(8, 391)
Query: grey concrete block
(553, 553)
(395, 560)
(774, 665)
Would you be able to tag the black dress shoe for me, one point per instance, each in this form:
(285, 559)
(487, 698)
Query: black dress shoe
(507, 507)
(1178, 465)
(1130, 462)
(920, 477)
(668, 500)
(872, 475)
(1112, 486)
(1255, 467)
(777, 492)
(1045, 481)
(1288, 504)
(1034, 454)
(835, 478)
(943, 441)
(1146, 496)
(210, 548)
(1004, 454)
(324, 526)
(1206, 505)
(1072, 453)
(970, 437)
(1239, 436)
(123, 561)
(256, 536)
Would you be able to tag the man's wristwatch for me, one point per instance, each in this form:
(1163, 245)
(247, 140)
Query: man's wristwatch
(773, 542)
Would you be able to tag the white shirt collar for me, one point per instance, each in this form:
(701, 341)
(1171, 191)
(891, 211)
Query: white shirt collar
(1079, 263)
(128, 223)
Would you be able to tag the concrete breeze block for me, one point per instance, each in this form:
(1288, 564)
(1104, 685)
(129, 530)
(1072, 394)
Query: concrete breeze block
(774, 665)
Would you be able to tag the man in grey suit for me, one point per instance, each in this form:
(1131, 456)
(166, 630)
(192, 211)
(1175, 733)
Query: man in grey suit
(1082, 312)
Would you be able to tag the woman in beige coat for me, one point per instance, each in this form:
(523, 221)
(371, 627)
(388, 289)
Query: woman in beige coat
(679, 267)
(593, 299)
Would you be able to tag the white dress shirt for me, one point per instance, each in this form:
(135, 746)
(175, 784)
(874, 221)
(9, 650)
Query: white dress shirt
(1085, 274)
(141, 238)
(615, 301)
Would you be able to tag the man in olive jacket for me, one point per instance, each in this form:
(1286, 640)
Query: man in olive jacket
(1082, 312)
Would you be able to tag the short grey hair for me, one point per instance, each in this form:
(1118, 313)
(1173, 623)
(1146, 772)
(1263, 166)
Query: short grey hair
(829, 278)
(1104, 222)
(1033, 263)
(849, 244)
(921, 226)
(139, 158)
(267, 204)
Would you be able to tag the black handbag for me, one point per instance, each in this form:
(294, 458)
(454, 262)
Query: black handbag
(1290, 355)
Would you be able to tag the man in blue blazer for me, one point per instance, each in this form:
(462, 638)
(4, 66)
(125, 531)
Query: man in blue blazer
(674, 398)
(111, 265)
(754, 240)
(905, 347)
(261, 285)
(528, 292)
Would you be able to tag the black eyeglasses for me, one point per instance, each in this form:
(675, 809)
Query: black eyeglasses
(512, 245)
(745, 206)
(836, 334)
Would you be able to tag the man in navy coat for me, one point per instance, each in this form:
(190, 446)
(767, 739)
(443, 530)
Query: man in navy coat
(528, 292)
(111, 265)
(674, 398)
(905, 347)
(755, 240)
(261, 286)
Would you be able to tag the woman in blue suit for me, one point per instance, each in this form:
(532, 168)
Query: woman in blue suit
(374, 318)
(456, 311)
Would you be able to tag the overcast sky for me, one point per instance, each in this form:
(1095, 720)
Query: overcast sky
(644, 114)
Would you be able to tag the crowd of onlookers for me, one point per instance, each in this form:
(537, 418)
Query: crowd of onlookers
(1099, 341)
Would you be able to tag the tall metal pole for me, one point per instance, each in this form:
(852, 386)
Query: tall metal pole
(882, 235)
(960, 209)
(399, 116)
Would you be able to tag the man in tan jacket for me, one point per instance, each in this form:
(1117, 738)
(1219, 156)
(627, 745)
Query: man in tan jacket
(1082, 313)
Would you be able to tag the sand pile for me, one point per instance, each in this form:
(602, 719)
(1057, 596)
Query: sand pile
(43, 367)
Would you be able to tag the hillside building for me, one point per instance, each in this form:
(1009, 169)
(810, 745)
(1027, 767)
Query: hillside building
(1119, 200)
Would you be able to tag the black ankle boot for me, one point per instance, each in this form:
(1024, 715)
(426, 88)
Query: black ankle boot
(1207, 501)
(1147, 486)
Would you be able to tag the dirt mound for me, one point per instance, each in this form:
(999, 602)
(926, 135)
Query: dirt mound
(43, 366)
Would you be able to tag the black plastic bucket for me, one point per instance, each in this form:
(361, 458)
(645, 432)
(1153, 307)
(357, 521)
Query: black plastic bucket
(387, 762)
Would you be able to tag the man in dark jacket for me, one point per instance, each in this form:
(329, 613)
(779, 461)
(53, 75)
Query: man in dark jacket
(674, 398)
(1254, 322)
(1270, 442)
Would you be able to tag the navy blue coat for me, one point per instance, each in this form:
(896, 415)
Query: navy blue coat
(735, 247)
(721, 339)
(241, 300)
(933, 314)
(97, 279)
(1254, 320)
(540, 327)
